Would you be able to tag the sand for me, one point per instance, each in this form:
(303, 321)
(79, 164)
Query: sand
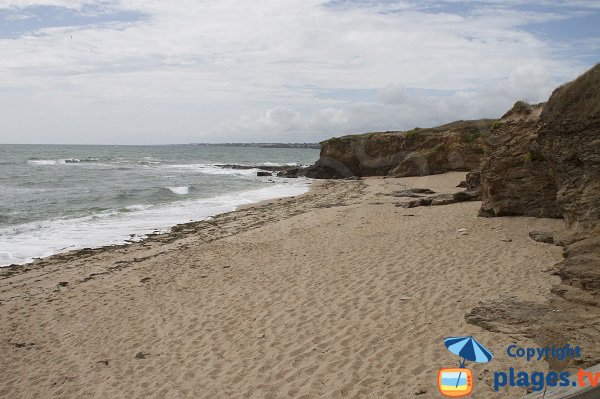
(337, 293)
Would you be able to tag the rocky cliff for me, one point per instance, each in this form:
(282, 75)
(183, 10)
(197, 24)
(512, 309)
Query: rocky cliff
(570, 141)
(457, 146)
(516, 178)
(545, 161)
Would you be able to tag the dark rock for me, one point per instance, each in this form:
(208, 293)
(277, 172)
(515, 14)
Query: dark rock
(462, 184)
(291, 173)
(268, 170)
(328, 168)
(581, 267)
(432, 200)
(473, 182)
(412, 192)
(63, 283)
(141, 355)
(443, 199)
(542, 236)
(23, 344)
(463, 196)
(421, 191)
(418, 202)
(236, 166)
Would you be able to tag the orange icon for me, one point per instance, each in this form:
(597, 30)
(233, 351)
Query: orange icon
(455, 382)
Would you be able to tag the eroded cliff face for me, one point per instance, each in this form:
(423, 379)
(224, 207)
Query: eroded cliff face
(516, 179)
(570, 140)
(544, 160)
(458, 146)
(547, 163)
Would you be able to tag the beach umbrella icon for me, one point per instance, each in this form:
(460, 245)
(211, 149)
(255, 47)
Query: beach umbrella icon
(469, 349)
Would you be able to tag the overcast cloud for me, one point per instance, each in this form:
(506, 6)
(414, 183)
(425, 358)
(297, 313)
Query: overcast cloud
(148, 71)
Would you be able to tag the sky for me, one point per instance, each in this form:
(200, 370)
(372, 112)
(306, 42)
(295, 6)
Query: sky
(170, 72)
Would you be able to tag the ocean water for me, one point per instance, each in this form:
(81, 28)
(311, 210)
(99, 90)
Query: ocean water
(55, 198)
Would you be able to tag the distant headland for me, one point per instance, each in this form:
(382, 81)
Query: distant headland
(314, 146)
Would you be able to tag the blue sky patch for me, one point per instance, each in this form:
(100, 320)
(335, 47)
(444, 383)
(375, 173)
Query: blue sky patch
(574, 30)
(25, 21)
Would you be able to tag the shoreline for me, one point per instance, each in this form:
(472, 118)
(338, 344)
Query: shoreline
(338, 292)
(174, 233)
(139, 236)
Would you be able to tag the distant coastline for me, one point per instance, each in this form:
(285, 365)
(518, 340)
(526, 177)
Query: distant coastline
(314, 146)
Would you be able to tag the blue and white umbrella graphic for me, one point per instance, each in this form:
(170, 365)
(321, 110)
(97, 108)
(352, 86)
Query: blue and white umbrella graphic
(469, 349)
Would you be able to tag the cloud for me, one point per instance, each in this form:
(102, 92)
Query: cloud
(396, 109)
(233, 70)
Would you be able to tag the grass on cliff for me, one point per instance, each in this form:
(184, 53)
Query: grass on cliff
(495, 125)
(578, 101)
(417, 134)
(471, 135)
(355, 136)
(522, 107)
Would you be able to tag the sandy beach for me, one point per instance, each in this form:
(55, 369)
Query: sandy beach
(337, 293)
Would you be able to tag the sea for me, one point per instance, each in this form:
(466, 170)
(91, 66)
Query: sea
(56, 198)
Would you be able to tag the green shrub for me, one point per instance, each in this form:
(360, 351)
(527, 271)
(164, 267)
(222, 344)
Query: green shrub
(415, 134)
(471, 135)
(495, 125)
(522, 107)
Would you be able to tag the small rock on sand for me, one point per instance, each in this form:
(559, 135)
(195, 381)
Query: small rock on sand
(542, 236)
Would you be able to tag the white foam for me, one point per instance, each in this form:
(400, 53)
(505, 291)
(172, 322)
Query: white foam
(182, 190)
(22, 243)
(43, 162)
(210, 169)
(279, 164)
(46, 162)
